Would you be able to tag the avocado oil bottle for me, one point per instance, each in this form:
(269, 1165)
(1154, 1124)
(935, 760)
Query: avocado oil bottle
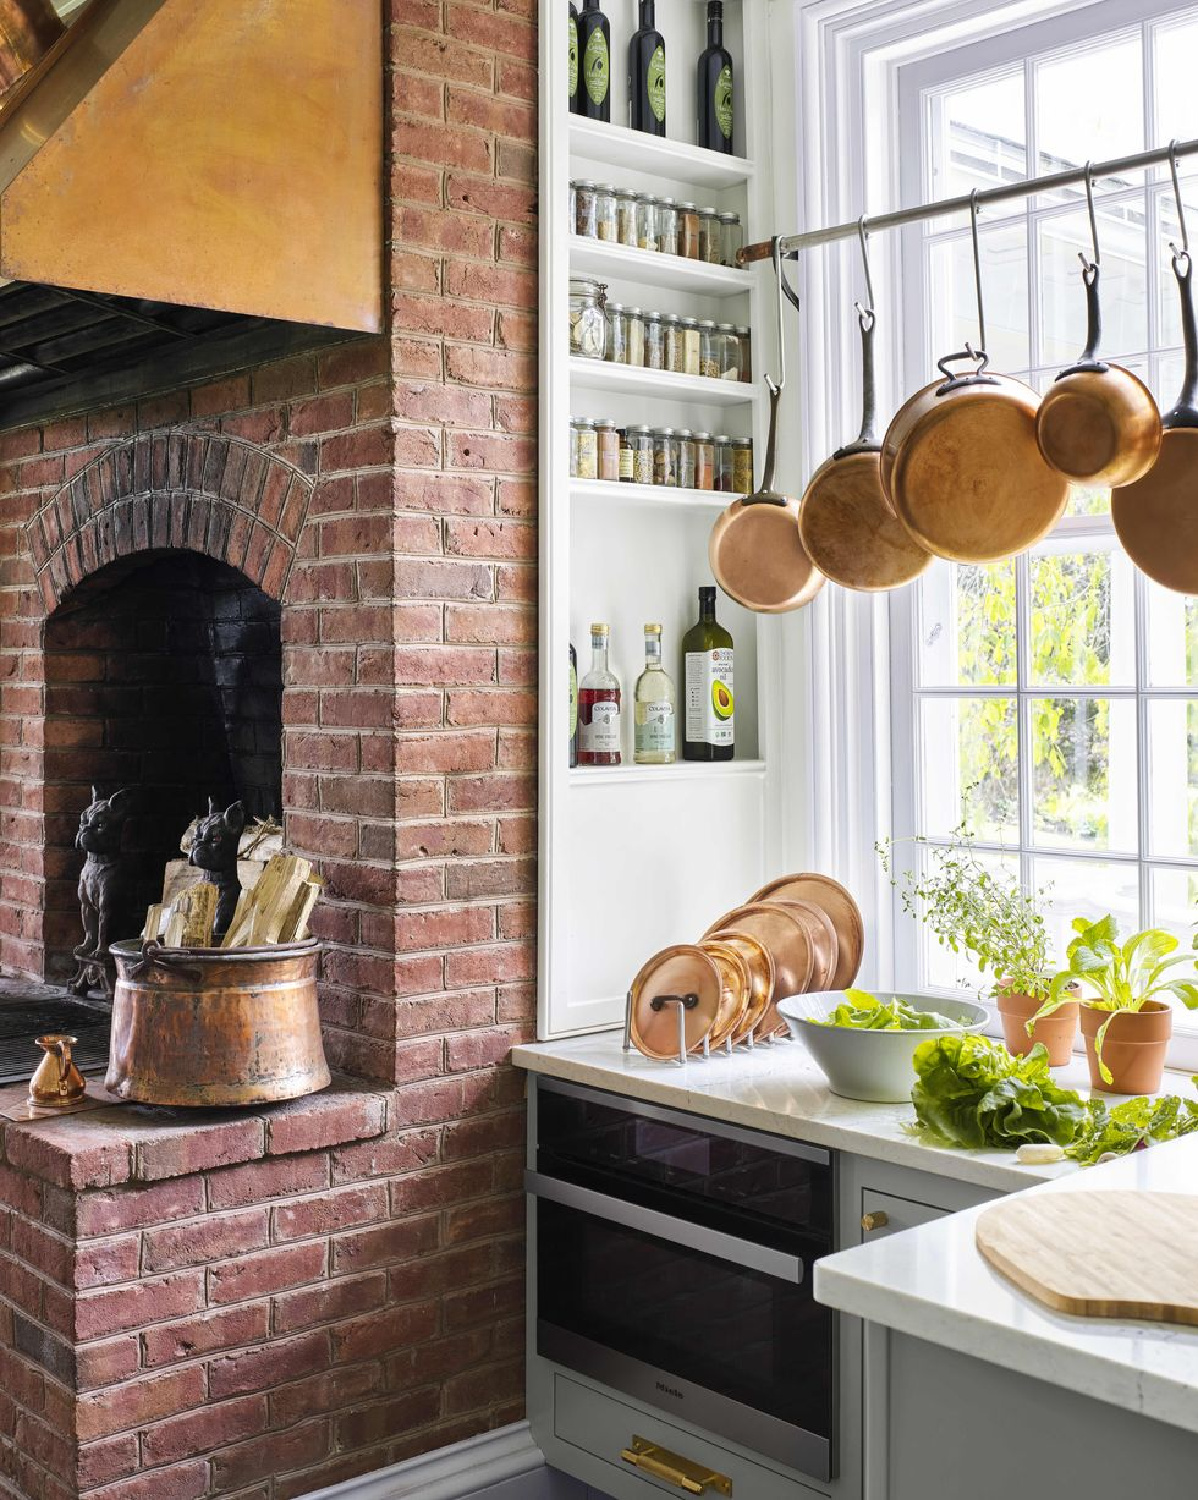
(594, 50)
(715, 84)
(647, 75)
(707, 728)
(572, 74)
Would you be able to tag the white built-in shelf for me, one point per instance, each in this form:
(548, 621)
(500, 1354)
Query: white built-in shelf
(634, 151)
(608, 262)
(609, 492)
(682, 770)
(630, 380)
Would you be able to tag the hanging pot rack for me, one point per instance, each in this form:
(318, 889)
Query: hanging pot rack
(789, 246)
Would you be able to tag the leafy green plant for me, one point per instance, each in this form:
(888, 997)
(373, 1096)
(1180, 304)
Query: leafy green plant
(1131, 1126)
(861, 1011)
(970, 1091)
(969, 909)
(1123, 976)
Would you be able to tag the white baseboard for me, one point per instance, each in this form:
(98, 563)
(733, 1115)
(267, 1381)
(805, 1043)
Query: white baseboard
(454, 1473)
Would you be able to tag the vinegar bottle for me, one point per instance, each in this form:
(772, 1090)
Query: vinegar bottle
(599, 707)
(647, 75)
(715, 84)
(655, 733)
(594, 52)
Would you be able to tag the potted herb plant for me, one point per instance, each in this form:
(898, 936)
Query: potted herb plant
(1127, 1022)
(969, 909)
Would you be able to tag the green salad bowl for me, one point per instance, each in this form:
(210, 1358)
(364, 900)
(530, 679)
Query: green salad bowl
(872, 1065)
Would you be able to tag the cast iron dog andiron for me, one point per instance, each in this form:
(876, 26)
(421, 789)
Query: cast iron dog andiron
(214, 850)
(101, 889)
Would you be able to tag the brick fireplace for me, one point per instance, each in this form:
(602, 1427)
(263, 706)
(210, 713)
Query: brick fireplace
(261, 1304)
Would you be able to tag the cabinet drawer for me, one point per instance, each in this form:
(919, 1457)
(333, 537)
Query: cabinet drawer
(883, 1214)
(604, 1426)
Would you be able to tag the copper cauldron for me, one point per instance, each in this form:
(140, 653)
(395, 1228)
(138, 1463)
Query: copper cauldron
(28, 29)
(216, 1026)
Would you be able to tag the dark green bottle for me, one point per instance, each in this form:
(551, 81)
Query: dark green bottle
(647, 75)
(715, 84)
(594, 53)
(707, 730)
(572, 75)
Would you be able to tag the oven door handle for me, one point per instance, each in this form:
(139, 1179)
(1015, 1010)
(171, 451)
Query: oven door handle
(666, 1227)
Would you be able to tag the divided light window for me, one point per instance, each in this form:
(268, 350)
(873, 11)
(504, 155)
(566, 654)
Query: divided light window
(1052, 701)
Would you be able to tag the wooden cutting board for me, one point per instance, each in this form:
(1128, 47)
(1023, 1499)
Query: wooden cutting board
(1099, 1255)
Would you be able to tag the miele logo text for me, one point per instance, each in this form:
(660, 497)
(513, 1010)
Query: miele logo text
(668, 1390)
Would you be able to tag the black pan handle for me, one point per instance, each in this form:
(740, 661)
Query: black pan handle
(1088, 361)
(976, 376)
(1185, 412)
(767, 495)
(866, 440)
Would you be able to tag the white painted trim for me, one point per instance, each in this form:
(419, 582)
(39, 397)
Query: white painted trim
(450, 1473)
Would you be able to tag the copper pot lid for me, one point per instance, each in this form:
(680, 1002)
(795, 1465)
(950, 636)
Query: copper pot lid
(845, 914)
(824, 939)
(736, 986)
(688, 973)
(760, 965)
(788, 940)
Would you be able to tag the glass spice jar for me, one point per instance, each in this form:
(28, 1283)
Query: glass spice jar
(742, 466)
(723, 463)
(573, 447)
(728, 352)
(646, 222)
(746, 351)
(607, 436)
(709, 349)
(704, 461)
(584, 209)
(667, 226)
(665, 458)
(626, 460)
(655, 342)
(692, 342)
(675, 354)
(573, 208)
(588, 320)
(711, 243)
(617, 334)
(626, 217)
(688, 231)
(686, 459)
(641, 439)
(635, 319)
(588, 449)
(731, 237)
(605, 211)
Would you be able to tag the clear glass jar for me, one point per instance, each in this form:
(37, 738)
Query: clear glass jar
(588, 449)
(626, 217)
(667, 226)
(588, 320)
(675, 345)
(574, 447)
(655, 342)
(711, 240)
(584, 209)
(731, 237)
(665, 457)
(709, 350)
(626, 459)
(686, 458)
(646, 222)
(742, 466)
(635, 320)
(617, 334)
(723, 463)
(728, 352)
(605, 211)
(688, 231)
(607, 436)
(746, 351)
(641, 439)
(704, 445)
(573, 208)
(692, 344)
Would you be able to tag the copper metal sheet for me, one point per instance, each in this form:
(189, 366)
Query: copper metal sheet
(823, 891)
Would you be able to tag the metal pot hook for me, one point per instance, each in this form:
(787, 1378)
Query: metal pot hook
(1184, 252)
(865, 315)
(977, 270)
(1090, 265)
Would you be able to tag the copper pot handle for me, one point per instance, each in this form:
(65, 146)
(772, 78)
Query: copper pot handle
(154, 955)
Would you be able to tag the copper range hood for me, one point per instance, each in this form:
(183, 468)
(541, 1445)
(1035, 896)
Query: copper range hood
(174, 170)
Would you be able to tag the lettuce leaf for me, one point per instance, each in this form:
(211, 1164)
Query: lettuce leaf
(970, 1091)
(1114, 1130)
(864, 1012)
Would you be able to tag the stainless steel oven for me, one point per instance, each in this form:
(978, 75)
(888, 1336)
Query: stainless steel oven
(673, 1263)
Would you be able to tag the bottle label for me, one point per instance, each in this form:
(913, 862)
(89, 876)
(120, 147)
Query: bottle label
(596, 66)
(723, 101)
(626, 465)
(573, 700)
(655, 729)
(572, 76)
(600, 735)
(709, 698)
(655, 83)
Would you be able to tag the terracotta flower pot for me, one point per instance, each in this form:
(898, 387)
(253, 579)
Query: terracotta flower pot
(1056, 1031)
(1133, 1049)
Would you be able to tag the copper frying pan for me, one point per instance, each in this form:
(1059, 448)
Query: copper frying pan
(755, 550)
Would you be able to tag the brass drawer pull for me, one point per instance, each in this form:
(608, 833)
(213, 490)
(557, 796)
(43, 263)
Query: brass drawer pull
(695, 1479)
(876, 1220)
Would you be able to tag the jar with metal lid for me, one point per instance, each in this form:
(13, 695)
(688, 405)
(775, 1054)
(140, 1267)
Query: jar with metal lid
(675, 354)
(635, 320)
(608, 445)
(655, 342)
(573, 208)
(665, 457)
(588, 320)
(646, 222)
(731, 237)
(626, 202)
(584, 209)
(626, 459)
(617, 334)
(723, 463)
(605, 211)
(686, 458)
(587, 441)
(691, 346)
(711, 241)
(704, 446)
(742, 466)
(709, 351)
(667, 226)
(688, 231)
(728, 352)
(641, 439)
(746, 351)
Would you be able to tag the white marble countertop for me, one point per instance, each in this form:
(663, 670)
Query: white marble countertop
(933, 1283)
(779, 1089)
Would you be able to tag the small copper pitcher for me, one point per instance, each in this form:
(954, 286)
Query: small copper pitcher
(57, 1081)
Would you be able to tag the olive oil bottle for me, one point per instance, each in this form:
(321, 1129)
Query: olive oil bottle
(594, 52)
(707, 725)
(715, 84)
(647, 75)
(572, 75)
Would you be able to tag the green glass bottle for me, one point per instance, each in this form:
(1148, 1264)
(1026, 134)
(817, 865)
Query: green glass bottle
(647, 75)
(572, 74)
(594, 52)
(715, 85)
(708, 724)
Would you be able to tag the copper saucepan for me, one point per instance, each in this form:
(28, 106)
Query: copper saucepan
(1099, 423)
